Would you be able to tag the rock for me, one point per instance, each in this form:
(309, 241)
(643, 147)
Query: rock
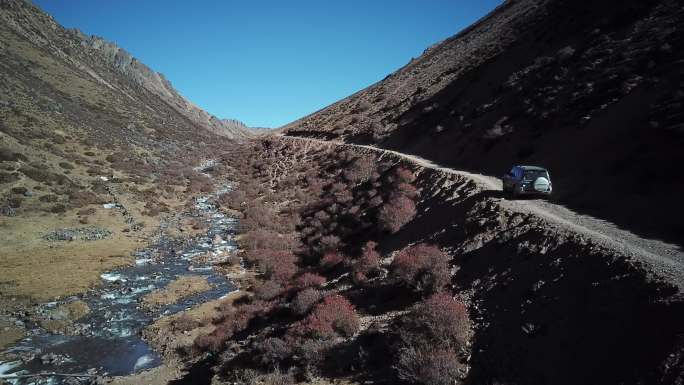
(566, 53)
(19, 190)
(83, 233)
(217, 240)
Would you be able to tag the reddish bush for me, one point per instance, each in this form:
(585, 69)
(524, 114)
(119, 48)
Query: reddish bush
(367, 262)
(423, 267)
(396, 212)
(309, 280)
(332, 259)
(439, 319)
(404, 175)
(305, 299)
(428, 365)
(278, 265)
(407, 190)
(335, 315)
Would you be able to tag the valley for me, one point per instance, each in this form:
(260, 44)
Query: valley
(145, 241)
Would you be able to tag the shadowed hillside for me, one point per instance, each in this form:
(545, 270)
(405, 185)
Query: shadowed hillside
(592, 91)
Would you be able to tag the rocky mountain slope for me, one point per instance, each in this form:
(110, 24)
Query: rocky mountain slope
(92, 54)
(592, 91)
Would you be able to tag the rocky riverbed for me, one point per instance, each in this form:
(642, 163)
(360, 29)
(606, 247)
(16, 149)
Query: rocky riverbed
(106, 339)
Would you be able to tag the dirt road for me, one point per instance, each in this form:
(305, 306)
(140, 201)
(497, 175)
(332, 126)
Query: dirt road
(666, 260)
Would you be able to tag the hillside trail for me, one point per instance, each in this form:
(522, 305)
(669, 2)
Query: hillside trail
(666, 260)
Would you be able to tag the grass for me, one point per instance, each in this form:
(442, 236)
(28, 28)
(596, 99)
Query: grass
(9, 334)
(183, 287)
(33, 267)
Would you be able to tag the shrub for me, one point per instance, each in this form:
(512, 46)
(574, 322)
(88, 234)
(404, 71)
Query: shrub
(309, 280)
(233, 199)
(58, 209)
(14, 202)
(19, 190)
(265, 239)
(404, 175)
(440, 319)
(331, 259)
(329, 242)
(396, 212)
(6, 177)
(278, 265)
(407, 190)
(305, 299)
(268, 290)
(83, 198)
(367, 262)
(66, 165)
(429, 366)
(335, 315)
(184, 322)
(49, 198)
(422, 267)
(272, 351)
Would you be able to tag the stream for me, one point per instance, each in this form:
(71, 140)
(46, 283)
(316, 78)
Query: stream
(108, 340)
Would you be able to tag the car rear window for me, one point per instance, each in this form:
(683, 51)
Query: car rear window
(533, 174)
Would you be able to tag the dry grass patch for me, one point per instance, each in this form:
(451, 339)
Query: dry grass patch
(175, 291)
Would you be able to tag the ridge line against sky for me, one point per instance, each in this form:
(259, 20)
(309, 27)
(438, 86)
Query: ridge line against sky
(268, 63)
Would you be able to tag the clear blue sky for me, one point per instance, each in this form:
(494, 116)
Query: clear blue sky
(268, 63)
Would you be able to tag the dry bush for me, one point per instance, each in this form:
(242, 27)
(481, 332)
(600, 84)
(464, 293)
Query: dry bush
(422, 267)
(334, 316)
(58, 209)
(368, 262)
(429, 366)
(14, 202)
(305, 300)
(233, 199)
(6, 177)
(265, 239)
(396, 212)
(404, 175)
(277, 265)
(184, 322)
(268, 290)
(309, 280)
(272, 351)
(83, 198)
(439, 319)
(51, 198)
(230, 320)
(332, 259)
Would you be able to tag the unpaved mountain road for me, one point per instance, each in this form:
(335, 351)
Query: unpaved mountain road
(664, 259)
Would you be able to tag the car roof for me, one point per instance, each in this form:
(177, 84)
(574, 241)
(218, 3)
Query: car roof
(532, 168)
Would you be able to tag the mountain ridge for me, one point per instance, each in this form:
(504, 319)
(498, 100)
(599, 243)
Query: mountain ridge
(78, 48)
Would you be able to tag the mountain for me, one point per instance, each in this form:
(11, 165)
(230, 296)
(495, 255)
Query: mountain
(93, 54)
(593, 91)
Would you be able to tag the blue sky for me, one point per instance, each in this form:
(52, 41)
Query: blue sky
(268, 63)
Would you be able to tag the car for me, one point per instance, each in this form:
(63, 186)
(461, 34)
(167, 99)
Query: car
(527, 180)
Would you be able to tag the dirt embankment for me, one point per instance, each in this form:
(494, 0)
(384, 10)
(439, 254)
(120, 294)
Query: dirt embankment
(550, 306)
